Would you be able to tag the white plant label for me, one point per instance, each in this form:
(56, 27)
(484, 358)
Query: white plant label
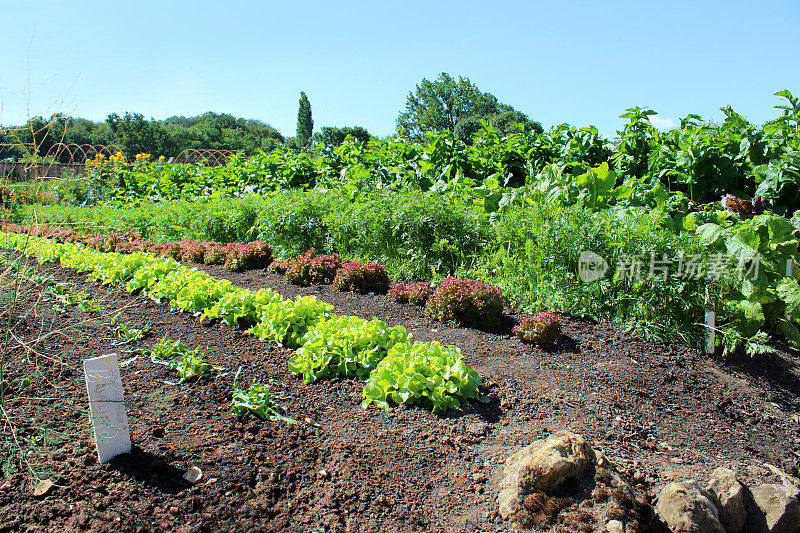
(711, 323)
(107, 406)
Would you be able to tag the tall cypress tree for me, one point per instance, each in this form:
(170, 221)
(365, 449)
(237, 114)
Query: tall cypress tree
(305, 124)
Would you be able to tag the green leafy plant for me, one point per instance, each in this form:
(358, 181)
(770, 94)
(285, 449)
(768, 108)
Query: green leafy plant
(241, 307)
(346, 345)
(286, 322)
(757, 293)
(189, 364)
(427, 374)
(128, 333)
(259, 400)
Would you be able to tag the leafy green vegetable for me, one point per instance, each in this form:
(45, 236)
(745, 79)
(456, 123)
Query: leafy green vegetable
(190, 363)
(259, 400)
(428, 374)
(241, 307)
(345, 345)
(287, 321)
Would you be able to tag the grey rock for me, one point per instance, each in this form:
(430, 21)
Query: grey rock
(773, 509)
(546, 465)
(614, 526)
(686, 508)
(727, 493)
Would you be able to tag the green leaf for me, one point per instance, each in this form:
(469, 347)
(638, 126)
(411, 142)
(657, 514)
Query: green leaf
(789, 332)
(789, 292)
(749, 317)
(710, 234)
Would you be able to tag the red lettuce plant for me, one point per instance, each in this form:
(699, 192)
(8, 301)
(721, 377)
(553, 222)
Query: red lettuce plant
(361, 278)
(136, 245)
(466, 302)
(542, 328)
(215, 254)
(416, 293)
(170, 250)
(311, 268)
(254, 254)
(193, 251)
(280, 267)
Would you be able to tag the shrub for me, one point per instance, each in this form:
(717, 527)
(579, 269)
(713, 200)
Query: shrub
(542, 328)
(361, 278)
(309, 268)
(416, 293)
(466, 302)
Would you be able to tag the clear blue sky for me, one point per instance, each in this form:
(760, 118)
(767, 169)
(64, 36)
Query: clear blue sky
(582, 62)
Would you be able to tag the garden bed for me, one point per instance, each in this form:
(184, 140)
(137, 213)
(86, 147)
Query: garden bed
(661, 412)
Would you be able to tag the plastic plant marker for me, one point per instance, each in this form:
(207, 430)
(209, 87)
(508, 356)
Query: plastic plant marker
(107, 406)
(711, 323)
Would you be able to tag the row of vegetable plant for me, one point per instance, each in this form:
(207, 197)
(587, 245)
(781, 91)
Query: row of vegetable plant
(233, 256)
(404, 371)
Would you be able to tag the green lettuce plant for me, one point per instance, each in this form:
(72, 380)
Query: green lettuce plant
(428, 374)
(345, 345)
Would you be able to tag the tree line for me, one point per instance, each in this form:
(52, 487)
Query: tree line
(434, 106)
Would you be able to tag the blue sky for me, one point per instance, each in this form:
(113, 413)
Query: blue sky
(582, 62)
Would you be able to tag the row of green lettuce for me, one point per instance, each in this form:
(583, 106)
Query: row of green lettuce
(396, 370)
(532, 252)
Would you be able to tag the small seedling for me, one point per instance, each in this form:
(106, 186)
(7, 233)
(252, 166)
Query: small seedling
(69, 296)
(128, 333)
(190, 364)
(259, 400)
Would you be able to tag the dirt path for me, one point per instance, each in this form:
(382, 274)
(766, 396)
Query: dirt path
(662, 412)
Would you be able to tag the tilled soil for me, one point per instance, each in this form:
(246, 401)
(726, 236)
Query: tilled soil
(661, 412)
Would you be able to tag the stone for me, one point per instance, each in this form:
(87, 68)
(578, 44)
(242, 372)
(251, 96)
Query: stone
(193, 475)
(686, 508)
(478, 429)
(43, 488)
(727, 493)
(773, 509)
(552, 465)
(479, 477)
(614, 526)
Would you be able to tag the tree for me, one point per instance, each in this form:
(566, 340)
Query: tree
(332, 137)
(305, 124)
(441, 104)
(138, 136)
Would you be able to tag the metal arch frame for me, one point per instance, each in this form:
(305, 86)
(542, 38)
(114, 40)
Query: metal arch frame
(79, 153)
(206, 156)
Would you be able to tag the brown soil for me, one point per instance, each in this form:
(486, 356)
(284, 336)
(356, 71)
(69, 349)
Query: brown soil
(661, 412)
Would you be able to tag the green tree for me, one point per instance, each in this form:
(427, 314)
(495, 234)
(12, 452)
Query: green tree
(135, 135)
(305, 124)
(441, 104)
(332, 136)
